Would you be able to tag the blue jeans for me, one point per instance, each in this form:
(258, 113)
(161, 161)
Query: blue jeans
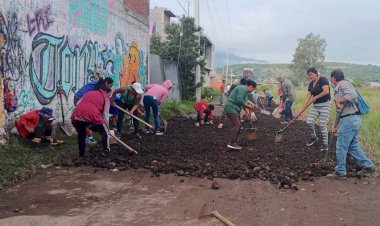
(222, 98)
(270, 99)
(348, 143)
(288, 110)
(149, 102)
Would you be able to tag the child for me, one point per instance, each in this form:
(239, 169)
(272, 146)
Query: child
(204, 113)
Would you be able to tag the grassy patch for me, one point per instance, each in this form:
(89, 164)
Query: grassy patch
(20, 161)
(172, 108)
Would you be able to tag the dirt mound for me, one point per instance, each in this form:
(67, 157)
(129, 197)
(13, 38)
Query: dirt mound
(202, 152)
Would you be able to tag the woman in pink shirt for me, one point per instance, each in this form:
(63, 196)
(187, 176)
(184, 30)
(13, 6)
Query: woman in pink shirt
(155, 94)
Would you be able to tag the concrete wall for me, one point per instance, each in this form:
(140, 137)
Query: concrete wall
(47, 43)
(161, 70)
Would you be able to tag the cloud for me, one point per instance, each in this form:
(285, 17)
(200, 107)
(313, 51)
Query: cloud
(268, 30)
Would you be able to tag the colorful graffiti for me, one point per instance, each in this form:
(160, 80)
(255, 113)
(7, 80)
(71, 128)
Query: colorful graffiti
(40, 20)
(12, 61)
(92, 16)
(52, 63)
(27, 103)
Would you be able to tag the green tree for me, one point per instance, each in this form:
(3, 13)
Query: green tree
(157, 45)
(309, 53)
(188, 52)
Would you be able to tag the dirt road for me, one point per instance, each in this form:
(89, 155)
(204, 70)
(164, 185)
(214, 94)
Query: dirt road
(87, 196)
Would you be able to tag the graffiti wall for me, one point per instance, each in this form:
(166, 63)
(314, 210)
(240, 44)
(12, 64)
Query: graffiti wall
(48, 44)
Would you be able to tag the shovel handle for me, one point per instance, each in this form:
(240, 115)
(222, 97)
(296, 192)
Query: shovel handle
(133, 116)
(124, 144)
(223, 219)
(295, 118)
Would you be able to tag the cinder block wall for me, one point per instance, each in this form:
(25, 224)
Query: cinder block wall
(47, 43)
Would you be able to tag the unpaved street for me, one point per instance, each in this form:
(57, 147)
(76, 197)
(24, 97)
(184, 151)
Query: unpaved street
(89, 196)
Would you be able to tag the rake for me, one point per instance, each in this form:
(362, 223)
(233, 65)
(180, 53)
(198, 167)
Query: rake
(279, 134)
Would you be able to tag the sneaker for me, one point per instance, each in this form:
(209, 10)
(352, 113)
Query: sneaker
(106, 152)
(336, 176)
(138, 135)
(312, 141)
(90, 140)
(324, 149)
(197, 124)
(234, 146)
(366, 172)
(158, 133)
(284, 122)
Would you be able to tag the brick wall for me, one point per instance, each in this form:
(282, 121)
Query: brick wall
(140, 7)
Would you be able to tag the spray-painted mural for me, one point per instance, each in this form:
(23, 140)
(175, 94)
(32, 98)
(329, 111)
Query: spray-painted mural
(63, 43)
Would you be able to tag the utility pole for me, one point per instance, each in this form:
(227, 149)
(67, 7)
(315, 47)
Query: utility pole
(197, 68)
(227, 66)
(188, 9)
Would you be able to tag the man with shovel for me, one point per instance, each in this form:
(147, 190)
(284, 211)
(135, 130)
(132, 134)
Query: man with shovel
(130, 99)
(237, 100)
(288, 96)
(348, 128)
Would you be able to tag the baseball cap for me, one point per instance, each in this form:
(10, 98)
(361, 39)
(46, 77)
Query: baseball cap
(137, 87)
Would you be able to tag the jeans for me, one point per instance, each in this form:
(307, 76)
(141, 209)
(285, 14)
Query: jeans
(270, 99)
(348, 143)
(222, 98)
(120, 117)
(149, 102)
(205, 117)
(288, 110)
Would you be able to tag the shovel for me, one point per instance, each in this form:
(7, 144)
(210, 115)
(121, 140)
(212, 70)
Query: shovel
(66, 128)
(133, 116)
(164, 121)
(205, 211)
(279, 134)
(111, 133)
(263, 111)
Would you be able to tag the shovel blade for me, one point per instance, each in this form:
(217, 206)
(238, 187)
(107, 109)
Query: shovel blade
(265, 112)
(278, 138)
(68, 130)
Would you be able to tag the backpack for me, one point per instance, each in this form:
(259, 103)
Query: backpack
(363, 107)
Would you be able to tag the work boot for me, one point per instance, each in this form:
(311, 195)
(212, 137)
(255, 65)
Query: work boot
(234, 146)
(90, 140)
(284, 122)
(324, 149)
(312, 141)
(159, 133)
(336, 176)
(106, 152)
(366, 172)
(138, 135)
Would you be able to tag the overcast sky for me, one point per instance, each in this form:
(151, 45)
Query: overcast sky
(269, 29)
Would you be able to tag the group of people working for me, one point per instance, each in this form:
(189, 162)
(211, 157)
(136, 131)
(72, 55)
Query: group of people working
(241, 99)
(94, 104)
(94, 100)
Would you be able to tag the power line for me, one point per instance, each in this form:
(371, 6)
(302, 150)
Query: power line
(229, 20)
(212, 22)
(219, 18)
(184, 10)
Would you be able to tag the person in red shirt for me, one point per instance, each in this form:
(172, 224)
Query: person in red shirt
(204, 113)
(37, 126)
(222, 93)
(92, 112)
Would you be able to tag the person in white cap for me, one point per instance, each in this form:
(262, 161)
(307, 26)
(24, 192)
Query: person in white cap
(130, 99)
